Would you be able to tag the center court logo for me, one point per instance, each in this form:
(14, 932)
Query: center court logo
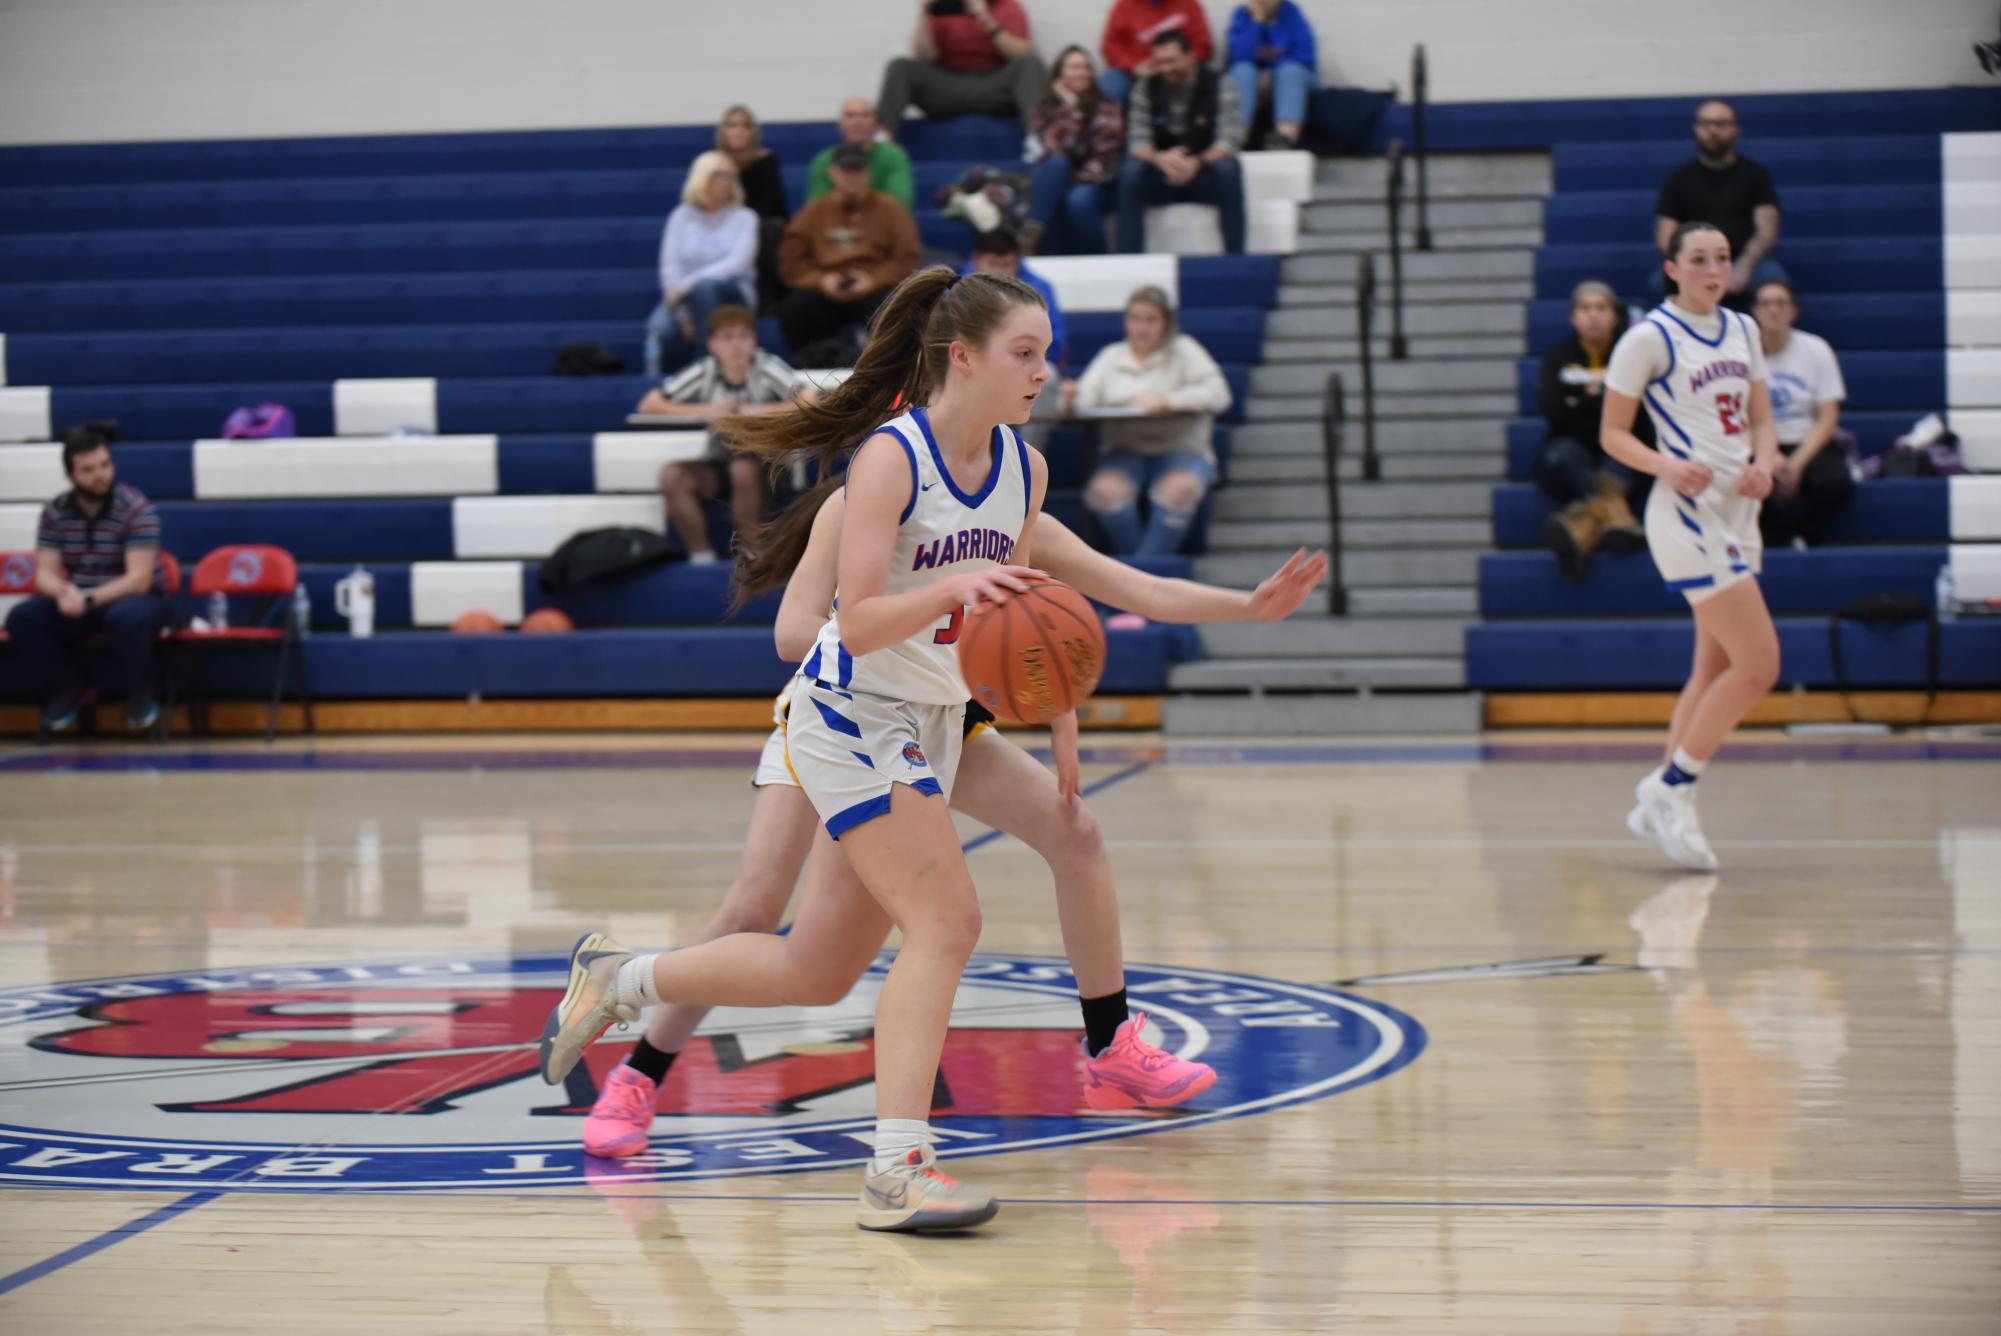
(423, 1075)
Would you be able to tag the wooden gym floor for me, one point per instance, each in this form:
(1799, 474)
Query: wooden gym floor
(266, 1022)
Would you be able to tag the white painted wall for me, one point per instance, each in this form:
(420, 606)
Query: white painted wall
(82, 70)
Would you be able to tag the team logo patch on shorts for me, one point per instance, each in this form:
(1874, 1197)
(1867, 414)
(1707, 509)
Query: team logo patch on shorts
(914, 754)
(1735, 555)
(407, 1075)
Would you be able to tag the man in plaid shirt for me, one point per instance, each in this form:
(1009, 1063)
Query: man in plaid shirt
(96, 572)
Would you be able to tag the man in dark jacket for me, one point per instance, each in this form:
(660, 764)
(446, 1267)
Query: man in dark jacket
(1720, 185)
(1183, 130)
(1599, 495)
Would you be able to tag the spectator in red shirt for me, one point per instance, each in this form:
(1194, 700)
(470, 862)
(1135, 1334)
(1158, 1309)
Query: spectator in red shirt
(968, 58)
(1134, 26)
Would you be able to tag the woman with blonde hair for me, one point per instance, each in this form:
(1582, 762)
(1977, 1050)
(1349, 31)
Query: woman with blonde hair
(708, 260)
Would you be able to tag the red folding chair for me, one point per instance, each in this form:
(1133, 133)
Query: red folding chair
(258, 580)
(17, 576)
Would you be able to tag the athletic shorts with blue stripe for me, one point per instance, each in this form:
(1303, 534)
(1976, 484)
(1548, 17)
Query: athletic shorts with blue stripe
(848, 749)
(1704, 546)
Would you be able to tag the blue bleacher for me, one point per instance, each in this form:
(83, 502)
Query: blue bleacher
(1865, 264)
(1874, 431)
(1826, 158)
(1812, 213)
(1531, 584)
(1851, 322)
(1875, 380)
(1884, 510)
(1635, 655)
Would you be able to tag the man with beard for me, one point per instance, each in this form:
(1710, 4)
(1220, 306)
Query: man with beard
(1721, 186)
(96, 572)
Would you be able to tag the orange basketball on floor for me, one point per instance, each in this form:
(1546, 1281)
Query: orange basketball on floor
(1036, 655)
(547, 622)
(476, 623)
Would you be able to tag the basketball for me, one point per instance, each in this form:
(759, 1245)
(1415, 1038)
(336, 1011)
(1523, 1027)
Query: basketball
(1035, 656)
(547, 622)
(478, 622)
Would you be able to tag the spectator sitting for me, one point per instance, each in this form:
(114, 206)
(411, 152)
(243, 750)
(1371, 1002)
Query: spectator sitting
(1720, 186)
(1000, 253)
(1182, 132)
(1130, 31)
(1812, 482)
(1272, 50)
(888, 164)
(1176, 388)
(737, 377)
(968, 58)
(1600, 496)
(840, 258)
(763, 191)
(96, 570)
(1075, 139)
(708, 259)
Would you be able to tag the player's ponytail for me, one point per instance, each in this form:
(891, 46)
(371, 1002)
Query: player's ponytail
(902, 365)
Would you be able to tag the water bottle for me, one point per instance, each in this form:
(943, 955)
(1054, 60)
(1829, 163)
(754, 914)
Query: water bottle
(354, 599)
(218, 611)
(302, 609)
(1946, 591)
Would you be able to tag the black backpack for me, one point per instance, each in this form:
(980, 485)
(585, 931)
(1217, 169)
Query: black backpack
(587, 359)
(605, 556)
(1885, 610)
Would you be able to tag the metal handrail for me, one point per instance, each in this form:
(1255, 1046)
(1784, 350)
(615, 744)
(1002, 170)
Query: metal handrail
(1365, 319)
(1333, 429)
(1399, 346)
(1420, 97)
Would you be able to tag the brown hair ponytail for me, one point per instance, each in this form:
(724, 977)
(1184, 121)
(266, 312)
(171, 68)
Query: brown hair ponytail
(903, 364)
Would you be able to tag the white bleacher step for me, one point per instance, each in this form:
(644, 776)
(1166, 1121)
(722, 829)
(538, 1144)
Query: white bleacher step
(1310, 470)
(347, 466)
(24, 413)
(1974, 507)
(630, 461)
(1507, 240)
(1380, 535)
(1507, 264)
(488, 527)
(1508, 293)
(1979, 433)
(1461, 601)
(1386, 500)
(1311, 714)
(1973, 377)
(1429, 568)
(1336, 637)
(1972, 260)
(1271, 228)
(1492, 409)
(1417, 347)
(1103, 282)
(1973, 319)
(1347, 214)
(1322, 673)
(1447, 175)
(1976, 570)
(1409, 436)
(1420, 322)
(1486, 375)
(20, 521)
(443, 591)
(32, 471)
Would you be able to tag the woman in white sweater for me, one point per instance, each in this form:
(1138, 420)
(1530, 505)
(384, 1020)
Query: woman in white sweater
(1158, 394)
(708, 259)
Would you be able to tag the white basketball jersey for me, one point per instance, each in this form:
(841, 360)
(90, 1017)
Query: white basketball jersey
(1701, 404)
(944, 531)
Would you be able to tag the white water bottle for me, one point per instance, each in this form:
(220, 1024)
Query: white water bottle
(354, 599)
(302, 609)
(218, 611)
(1946, 590)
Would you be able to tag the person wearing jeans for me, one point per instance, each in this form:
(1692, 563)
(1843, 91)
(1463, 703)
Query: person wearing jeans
(708, 260)
(1599, 495)
(1272, 46)
(1182, 134)
(1079, 134)
(1163, 391)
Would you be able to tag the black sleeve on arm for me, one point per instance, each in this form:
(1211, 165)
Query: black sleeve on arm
(1549, 392)
(1668, 204)
(1767, 191)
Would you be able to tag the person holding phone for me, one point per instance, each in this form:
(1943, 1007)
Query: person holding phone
(967, 58)
(840, 258)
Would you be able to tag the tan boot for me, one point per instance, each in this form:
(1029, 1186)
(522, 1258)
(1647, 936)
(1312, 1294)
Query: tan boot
(1572, 534)
(1618, 531)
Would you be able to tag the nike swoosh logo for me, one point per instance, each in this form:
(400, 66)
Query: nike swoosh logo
(927, 486)
(887, 1200)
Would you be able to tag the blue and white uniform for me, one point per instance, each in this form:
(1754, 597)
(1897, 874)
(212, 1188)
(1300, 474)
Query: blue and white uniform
(860, 724)
(1694, 376)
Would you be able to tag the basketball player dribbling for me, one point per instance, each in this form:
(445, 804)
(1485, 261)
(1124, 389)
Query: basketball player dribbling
(1700, 370)
(998, 784)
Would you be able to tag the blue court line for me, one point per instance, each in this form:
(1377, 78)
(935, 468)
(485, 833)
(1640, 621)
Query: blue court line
(1096, 786)
(91, 1247)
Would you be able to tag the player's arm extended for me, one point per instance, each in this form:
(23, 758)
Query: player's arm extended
(810, 591)
(1076, 563)
(878, 487)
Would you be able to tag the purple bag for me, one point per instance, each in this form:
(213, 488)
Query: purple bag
(262, 422)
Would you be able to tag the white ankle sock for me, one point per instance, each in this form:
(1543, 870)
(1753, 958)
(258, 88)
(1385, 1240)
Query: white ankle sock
(895, 1138)
(1687, 764)
(635, 986)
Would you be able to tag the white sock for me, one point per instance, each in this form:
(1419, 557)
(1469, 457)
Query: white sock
(703, 558)
(895, 1138)
(1687, 764)
(635, 986)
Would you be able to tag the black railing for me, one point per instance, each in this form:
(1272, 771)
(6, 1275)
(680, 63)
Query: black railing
(1419, 97)
(1365, 320)
(1333, 430)
(1399, 347)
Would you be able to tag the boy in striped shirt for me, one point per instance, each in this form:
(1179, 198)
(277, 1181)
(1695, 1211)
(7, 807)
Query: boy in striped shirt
(96, 572)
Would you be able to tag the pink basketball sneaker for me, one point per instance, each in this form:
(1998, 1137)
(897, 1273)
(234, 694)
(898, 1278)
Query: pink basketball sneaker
(619, 1120)
(1133, 1074)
